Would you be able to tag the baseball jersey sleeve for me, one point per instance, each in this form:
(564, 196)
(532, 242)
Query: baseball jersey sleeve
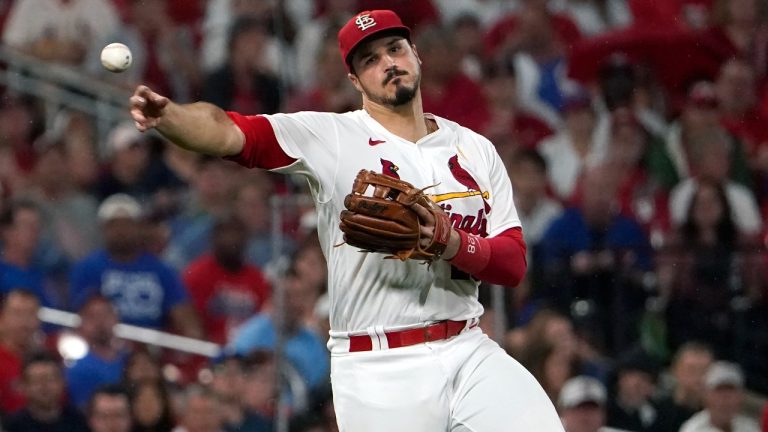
(305, 143)
(504, 215)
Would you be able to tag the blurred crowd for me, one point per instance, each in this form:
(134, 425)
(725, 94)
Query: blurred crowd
(635, 134)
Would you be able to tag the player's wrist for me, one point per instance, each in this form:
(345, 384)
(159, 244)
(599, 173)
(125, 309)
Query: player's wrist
(454, 243)
(473, 253)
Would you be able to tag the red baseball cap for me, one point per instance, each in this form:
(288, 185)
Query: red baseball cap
(364, 25)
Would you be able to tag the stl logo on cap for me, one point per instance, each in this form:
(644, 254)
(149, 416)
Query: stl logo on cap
(365, 21)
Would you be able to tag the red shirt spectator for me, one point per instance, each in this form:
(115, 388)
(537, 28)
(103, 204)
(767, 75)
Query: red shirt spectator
(459, 99)
(224, 289)
(11, 397)
(765, 418)
(509, 31)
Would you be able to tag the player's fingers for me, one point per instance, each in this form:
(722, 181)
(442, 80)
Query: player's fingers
(160, 101)
(138, 115)
(140, 126)
(142, 90)
(424, 215)
(137, 101)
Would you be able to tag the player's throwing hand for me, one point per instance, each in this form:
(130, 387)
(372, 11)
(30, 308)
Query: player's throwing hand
(147, 107)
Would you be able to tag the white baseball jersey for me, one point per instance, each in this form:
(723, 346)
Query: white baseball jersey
(471, 184)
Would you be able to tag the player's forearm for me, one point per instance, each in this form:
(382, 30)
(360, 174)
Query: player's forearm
(201, 127)
(497, 260)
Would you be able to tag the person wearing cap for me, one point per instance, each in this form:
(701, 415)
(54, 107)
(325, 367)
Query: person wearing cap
(582, 403)
(406, 350)
(631, 406)
(671, 162)
(145, 291)
(723, 399)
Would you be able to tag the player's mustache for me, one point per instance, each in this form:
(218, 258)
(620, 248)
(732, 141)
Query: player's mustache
(392, 74)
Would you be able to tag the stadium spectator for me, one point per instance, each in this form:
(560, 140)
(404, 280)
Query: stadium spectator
(723, 399)
(740, 30)
(309, 265)
(329, 91)
(509, 125)
(469, 42)
(68, 214)
(140, 366)
(244, 83)
(45, 410)
(709, 162)
(200, 411)
(541, 34)
(577, 145)
(699, 116)
(631, 407)
(551, 364)
(131, 169)
(698, 267)
(587, 251)
(312, 39)
(261, 392)
(109, 410)
(19, 326)
(445, 89)
(19, 124)
(688, 368)
(736, 89)
(225, 290)
(594, 17)
(105, 360)
(143, 289)
(581, 403)
(303, 348)
(151, 408)
(252, 206)
(59, 31)
(229, 378)
(20, 230)
(528, 173)
(765, 419)
(209, 198)
(77, 132)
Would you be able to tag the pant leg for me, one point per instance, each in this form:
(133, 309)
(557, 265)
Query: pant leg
(495, 393)
(403, 390)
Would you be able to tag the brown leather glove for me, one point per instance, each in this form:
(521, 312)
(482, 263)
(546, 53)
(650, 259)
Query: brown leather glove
(385, 221)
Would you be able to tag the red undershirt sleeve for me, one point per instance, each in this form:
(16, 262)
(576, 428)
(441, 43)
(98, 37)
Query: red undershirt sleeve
(498, 260)
(260, 148)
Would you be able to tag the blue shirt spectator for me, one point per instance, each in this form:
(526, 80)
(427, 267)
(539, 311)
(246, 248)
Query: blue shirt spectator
(89, 373)
(303, 348)
(145, 291)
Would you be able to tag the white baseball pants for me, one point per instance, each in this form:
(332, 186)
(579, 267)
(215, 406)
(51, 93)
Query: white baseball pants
(463, 384)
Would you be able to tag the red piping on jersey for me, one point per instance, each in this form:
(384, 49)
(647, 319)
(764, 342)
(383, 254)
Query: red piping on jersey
(260, 148)
(497, 260)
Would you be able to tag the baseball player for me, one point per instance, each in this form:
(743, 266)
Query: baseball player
(406, 350)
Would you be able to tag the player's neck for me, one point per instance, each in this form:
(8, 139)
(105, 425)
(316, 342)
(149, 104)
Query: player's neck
(406, 121)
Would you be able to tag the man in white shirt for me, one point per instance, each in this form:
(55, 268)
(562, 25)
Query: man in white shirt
(723, 398)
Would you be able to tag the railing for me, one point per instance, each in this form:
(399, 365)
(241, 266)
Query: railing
(59, 86)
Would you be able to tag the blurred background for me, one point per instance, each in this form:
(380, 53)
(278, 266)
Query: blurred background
(145, 288)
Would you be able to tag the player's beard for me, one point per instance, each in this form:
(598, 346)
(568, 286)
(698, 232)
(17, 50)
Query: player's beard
(404, 93)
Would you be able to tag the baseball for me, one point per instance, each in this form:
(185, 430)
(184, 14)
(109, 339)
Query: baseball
(116, 57)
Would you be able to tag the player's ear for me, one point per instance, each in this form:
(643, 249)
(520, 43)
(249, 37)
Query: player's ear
(355, 82)
(416, 53)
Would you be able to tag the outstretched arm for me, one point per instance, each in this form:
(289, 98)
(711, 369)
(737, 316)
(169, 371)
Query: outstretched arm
(200, 127)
